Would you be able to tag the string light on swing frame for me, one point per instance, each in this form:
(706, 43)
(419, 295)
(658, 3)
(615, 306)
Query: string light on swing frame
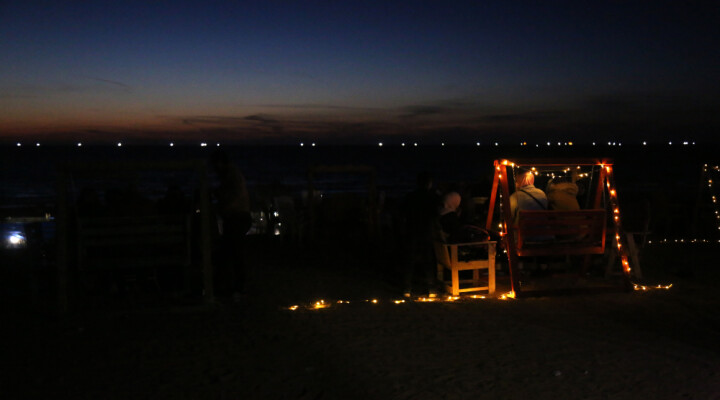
(713, 197)
(508, 295)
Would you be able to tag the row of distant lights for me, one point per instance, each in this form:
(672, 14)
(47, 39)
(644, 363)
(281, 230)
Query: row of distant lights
(663, 241)
(645, 143)
(414, 144)
(119, 144)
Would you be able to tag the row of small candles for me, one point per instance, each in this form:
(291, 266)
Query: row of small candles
(322, 304)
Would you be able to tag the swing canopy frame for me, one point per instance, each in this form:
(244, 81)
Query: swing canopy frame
(587, 227)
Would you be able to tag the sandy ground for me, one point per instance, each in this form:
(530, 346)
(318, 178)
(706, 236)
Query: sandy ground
(654, 345)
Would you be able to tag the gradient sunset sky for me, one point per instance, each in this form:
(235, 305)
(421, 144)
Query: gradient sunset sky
(358, 72)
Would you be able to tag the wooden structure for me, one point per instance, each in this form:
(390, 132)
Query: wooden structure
(449, 257)
(107, 242)
(549, 232)
(369, 173)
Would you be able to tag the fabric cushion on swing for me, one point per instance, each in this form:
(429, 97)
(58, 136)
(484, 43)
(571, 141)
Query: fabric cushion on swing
(574, 232)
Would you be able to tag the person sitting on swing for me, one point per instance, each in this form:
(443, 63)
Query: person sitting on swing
(562, 193)
(526, 196)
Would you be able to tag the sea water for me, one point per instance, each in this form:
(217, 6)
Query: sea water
(28, 174)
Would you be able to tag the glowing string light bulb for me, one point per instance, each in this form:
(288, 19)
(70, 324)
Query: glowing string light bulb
(321, 304)
(508, 295)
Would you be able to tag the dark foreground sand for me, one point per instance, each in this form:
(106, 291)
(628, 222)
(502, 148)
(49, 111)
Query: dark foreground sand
(653, 345)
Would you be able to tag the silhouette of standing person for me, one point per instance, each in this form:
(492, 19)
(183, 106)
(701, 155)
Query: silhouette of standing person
(420, 210)
(233, 207)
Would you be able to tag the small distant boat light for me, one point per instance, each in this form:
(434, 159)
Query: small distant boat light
(119, 144)
(15, 240)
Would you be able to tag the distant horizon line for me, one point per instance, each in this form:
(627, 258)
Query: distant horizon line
(318, 143)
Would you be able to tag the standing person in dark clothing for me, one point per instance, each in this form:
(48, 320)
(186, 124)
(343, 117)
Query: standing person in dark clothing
(420, 211)
(233, 207)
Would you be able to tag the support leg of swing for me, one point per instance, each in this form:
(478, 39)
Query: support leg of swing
(585, 269)
(634, 257)
(514, 272)
(612, 257)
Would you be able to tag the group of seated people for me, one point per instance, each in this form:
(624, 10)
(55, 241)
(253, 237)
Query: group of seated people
(560, 194)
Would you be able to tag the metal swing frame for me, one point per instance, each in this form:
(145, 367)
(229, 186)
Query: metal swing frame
(549, 221)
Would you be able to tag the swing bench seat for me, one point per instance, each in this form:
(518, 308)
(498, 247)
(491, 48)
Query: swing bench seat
(549, 232)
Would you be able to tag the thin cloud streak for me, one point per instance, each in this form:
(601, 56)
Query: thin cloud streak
(111, 82)
(319, 107)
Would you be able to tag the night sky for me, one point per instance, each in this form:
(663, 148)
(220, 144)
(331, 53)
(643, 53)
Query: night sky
(358, 72)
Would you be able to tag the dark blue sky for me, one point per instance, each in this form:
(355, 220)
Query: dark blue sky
(354, 72)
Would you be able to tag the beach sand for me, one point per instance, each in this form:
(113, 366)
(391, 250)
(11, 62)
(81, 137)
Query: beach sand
(660, 344)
